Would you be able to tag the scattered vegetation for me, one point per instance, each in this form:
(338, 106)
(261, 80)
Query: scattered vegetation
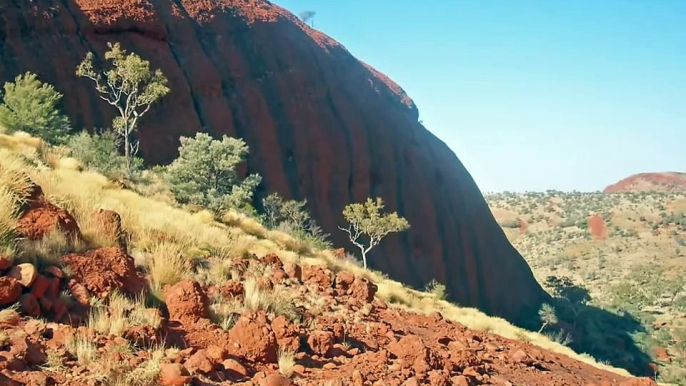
(614, 263)
(292, 217)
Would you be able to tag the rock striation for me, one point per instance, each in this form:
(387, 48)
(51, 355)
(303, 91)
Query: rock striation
(321, 126)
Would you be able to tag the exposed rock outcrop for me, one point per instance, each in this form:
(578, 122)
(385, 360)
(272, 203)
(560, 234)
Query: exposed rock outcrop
(646, 182)
(320, 124)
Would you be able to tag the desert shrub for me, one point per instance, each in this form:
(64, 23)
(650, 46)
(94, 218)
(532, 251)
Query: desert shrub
(516, 223)
(100, 152)
(436, 288)
(292, 217)
(30, 105)
(205, 174)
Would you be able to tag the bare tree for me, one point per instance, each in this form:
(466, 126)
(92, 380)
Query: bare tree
(130, 86)
(307, 16)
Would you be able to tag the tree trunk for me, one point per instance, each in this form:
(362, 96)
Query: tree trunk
(542, 327)
(364, 259)
(127, 151)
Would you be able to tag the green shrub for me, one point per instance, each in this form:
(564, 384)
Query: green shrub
(100, 152)
(292, 217)
(31, 106)
(205, 174)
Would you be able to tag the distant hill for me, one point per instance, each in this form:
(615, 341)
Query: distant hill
(650, 182)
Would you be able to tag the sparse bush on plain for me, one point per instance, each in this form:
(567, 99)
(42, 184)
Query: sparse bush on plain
(30, 105)
(205, 174)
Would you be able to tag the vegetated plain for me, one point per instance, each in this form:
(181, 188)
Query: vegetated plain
(624, 252)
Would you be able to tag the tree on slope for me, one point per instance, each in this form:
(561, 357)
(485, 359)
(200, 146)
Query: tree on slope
(366, 220)
(130, 86)
(205, 174)
(31, 106)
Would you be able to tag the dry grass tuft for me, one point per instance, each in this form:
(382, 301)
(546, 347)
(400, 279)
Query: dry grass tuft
(286, 361)
(49, 250)
(276, 302)
(246, 224)
(224, 313)
(120, 314)
(85, 351)
(166, 264)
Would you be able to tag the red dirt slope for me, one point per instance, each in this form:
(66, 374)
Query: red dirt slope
(349, 339)
(320, 124)
(647, 182)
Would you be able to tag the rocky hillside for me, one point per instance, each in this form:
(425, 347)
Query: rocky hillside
(320, 126)
(650, 182)
(102, 286)
(624, 252)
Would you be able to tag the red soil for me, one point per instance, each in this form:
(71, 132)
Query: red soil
(597, 227)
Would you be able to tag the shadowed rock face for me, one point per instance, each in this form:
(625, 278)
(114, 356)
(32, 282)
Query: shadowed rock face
(321, 126)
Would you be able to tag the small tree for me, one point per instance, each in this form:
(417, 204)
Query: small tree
(365, 219)
(307, 16)
(205, 173)
(130, 86)
(548, 316)
(31, 106)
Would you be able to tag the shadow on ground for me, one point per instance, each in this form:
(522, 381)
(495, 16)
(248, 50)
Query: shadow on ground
(606, 336)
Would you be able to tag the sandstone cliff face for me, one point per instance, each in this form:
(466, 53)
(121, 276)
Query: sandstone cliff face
(320, 124)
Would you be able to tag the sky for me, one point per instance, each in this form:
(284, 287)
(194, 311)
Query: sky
(532, 95)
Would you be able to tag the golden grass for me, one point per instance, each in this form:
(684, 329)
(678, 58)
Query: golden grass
(273, 301)
(4, 338)
(145, 374)
(49, 250)
(247, 224)
(286, 361)
(120, 314)
(85, 351)
(166, 264)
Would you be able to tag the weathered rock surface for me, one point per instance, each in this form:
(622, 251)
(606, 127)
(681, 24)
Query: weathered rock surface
(320, 124)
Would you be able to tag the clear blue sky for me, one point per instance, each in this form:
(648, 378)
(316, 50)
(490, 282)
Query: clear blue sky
(532, 95)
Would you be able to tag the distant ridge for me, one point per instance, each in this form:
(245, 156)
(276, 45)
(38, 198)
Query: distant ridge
(650, 182)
